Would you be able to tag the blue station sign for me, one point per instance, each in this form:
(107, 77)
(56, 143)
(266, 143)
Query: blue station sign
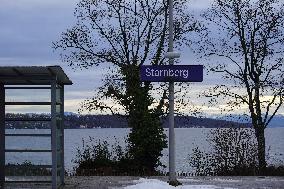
(176, 73)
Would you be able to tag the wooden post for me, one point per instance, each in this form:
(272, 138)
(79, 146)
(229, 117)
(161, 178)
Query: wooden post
(2, 136)
(53, 135)
(62, 134)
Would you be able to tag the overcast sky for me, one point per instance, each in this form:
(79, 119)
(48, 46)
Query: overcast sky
(27, 30)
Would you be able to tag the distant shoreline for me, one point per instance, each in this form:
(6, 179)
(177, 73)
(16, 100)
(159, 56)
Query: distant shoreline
(130, 128)
(76, 121)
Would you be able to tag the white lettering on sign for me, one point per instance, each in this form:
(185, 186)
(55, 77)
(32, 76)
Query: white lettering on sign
(150, 72)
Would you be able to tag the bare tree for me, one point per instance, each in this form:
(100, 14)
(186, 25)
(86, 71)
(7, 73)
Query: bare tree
(125, 35)
(245, 43)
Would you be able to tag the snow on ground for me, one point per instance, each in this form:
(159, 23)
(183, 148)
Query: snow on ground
(226, 180)
(188, 180)
(157, 184)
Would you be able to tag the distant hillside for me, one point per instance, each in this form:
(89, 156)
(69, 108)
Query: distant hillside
(94, 121)
(277, 121)
(106, 121)
(190, 121)
(75, 121)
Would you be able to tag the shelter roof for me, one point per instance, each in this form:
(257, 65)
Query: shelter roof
(33, 75)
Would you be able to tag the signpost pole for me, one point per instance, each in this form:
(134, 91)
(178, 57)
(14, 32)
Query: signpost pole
(172, 174)
(172, 73)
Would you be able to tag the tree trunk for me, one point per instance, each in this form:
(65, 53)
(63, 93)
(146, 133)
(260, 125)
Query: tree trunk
(261, 150)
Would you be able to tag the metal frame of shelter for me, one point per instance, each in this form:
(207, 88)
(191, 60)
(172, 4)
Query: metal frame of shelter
(50, 78)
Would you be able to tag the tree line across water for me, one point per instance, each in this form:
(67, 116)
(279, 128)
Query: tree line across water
(76, 121)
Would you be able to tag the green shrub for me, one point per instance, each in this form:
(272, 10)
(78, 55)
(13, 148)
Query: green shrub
(233, 153)
(97, 157)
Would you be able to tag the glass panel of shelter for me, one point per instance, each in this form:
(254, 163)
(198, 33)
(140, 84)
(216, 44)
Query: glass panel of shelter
(28, 170)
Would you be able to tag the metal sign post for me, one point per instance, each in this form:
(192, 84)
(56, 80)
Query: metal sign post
(172, 151)
(171, 73)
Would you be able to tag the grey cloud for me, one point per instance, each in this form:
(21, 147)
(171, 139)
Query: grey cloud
(29, 27)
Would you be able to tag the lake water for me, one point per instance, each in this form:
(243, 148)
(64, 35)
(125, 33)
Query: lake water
(186, 140)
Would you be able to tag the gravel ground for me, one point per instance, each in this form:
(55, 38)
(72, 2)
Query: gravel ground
(118, 182)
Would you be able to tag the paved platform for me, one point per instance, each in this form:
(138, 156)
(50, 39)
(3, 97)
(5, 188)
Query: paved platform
(119, 182)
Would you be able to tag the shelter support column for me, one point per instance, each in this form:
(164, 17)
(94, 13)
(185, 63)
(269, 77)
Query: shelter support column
(2, 135)
(53, 135)
(62, 171)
